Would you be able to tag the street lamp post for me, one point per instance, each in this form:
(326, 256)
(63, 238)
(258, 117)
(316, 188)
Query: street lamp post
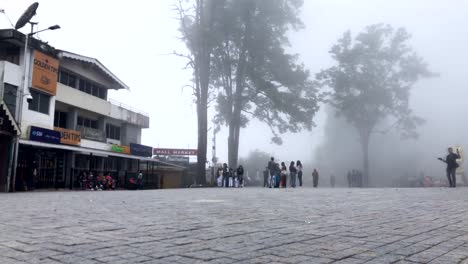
(24, 91)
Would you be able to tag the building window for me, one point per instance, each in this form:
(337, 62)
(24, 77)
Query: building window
(67, 78)
(60, 119)
(10, 54)
(112, 132)
(10, 97)
(40, 102)
(92, 89)
(87, 122)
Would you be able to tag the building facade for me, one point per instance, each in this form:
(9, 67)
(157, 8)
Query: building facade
(66, 123)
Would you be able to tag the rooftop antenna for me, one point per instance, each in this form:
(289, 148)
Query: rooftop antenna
(3, 12)
(26, 17)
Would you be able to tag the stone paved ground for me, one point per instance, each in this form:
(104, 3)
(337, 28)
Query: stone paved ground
(248, 225)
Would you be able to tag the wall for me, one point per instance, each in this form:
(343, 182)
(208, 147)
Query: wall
(120, 113)
(74, 97)
(130, 134)
(12, 73)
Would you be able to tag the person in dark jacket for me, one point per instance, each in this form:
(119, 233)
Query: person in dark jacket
(299, 171)
(315, 177)
(225, 175)
(452, 166)
(240, 176)
(292, 174)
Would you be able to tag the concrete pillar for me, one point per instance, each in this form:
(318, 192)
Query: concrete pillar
(72, 119)
(102, 125)
(70, 164)
(124, 134)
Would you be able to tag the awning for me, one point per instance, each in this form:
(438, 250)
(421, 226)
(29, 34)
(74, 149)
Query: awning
(10, 118)
(94, 151)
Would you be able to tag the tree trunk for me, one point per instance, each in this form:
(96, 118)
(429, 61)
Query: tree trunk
(233, 143)
(202, 143)
(202, 58)
(365, 138)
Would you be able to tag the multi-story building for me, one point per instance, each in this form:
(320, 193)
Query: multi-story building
(67, 124)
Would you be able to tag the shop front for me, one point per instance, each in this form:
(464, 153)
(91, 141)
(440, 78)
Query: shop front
(8, 131)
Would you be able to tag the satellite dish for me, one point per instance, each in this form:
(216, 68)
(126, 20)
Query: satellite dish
(27, 15)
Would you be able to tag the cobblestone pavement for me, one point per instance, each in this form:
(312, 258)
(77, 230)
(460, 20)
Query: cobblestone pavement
(250, 225)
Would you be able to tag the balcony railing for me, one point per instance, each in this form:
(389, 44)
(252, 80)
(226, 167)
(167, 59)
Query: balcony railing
(92, 134)
(124, 106)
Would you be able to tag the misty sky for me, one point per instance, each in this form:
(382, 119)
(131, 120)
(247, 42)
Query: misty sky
(133, 38)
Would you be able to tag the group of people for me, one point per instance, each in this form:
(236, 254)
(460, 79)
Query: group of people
(229, 178)
(276, 175)
(101, 182)
(354, 178)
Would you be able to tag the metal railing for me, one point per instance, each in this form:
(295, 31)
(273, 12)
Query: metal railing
(127, 107)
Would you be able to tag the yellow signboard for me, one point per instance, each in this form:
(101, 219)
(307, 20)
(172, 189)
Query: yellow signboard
(45, 72)
(69, 137)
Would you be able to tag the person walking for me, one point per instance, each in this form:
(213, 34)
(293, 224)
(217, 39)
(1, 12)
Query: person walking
(266, 175)
(284, 173)
(299, 172)
(452, 165)
(315, 178)
(292, 174)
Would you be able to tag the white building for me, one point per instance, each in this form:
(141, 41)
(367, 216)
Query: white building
(70, 126)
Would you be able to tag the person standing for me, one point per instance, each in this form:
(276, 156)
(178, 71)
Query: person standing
(225, 175)
(271, 170)
(315, 178)
(284, 173)
(140, 180)
(299, 172)
(452, 166)
(332, 180)
(240, 176)
(292, 174)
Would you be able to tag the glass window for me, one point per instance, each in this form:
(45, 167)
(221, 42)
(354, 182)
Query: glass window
(112, 132)
(87, 122)
(60, 119)
(89, 88)
(82, 85)
(40, 102)
(72, 81)
(63, 77)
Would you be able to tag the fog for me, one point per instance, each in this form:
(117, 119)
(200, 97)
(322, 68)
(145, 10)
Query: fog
(134, 39)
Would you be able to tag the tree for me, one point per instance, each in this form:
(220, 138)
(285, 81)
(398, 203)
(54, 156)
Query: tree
(196, 27)
(372, 81)
(255, 75)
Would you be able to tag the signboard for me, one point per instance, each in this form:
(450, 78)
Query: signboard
(120, 149)
(141, 150)
(69, 137)
(44, 135)
(45, 72)
(178, 159)
(175, 152)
